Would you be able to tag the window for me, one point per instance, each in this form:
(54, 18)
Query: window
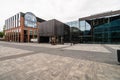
(30, 20)
(31, 32)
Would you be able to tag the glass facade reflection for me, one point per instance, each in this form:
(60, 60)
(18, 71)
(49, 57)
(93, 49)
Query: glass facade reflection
(85, 28)
(30, 20)
(74, 31)
(97, 30)
(80, 31)
(73, 24)
(108, 32)
(13, 22)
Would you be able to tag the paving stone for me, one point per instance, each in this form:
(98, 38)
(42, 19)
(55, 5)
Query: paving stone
(44, 66)
(88, 47)
(51, 67)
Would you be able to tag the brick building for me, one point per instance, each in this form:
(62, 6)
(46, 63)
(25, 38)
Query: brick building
(22, 27)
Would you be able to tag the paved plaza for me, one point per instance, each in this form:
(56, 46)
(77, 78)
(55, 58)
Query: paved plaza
(33, 61)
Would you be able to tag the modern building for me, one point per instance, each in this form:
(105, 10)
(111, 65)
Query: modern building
(53, 28)
(98, 28)
(22, 27)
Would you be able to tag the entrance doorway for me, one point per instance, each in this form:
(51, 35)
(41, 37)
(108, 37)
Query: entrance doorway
(25, 35)
(44, 39)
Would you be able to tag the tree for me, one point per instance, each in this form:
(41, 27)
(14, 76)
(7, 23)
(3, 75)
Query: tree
(1, 34)
(4, 29)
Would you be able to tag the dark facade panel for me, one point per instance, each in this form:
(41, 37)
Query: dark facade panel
(47, 28)
(59, 29)
(51, 28)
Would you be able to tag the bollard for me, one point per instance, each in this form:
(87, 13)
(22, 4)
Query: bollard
(118, 55)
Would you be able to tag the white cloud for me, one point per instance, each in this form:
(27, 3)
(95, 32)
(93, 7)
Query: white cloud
(63, 10)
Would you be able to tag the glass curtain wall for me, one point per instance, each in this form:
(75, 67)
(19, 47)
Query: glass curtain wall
(80, 31)
(101, 30)
(85, 35)
(108, 32)
(74, 31)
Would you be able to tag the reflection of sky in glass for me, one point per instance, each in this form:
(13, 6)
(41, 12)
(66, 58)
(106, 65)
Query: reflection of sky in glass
(83, 25)
(30, 20)
(73, 24)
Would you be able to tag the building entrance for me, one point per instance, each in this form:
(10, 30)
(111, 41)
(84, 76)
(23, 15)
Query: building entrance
(25, 35)
(44, 39)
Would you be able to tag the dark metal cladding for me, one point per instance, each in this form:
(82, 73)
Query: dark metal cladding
(47, 28)
(53, 28)
(59, 28)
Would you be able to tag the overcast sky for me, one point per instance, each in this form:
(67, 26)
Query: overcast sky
(63, 10)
